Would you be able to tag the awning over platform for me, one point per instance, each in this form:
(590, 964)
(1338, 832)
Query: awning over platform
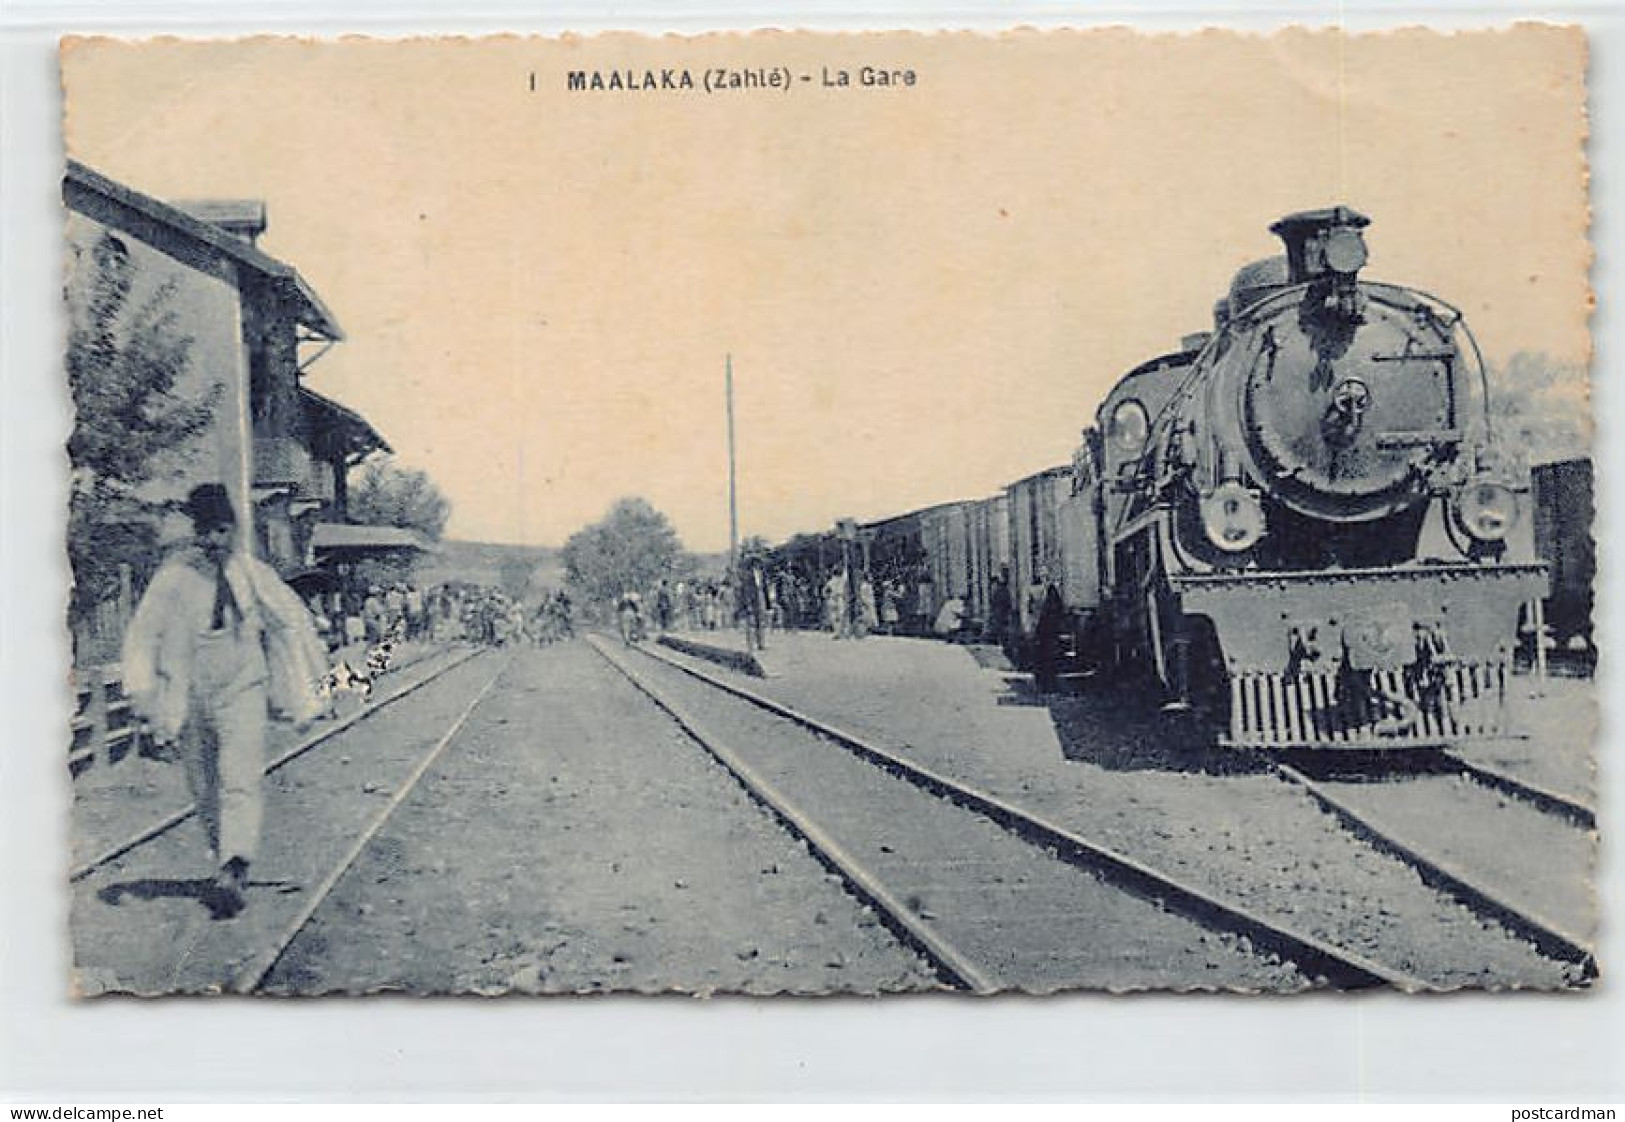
(338, 429)
(336, 537)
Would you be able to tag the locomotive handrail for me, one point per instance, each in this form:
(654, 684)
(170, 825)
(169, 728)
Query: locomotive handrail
(1141, 463)
(1416, 438)
(1457, 321)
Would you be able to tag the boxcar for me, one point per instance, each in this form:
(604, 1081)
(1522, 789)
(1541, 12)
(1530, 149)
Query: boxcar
(1044, 541)
(1563, 515)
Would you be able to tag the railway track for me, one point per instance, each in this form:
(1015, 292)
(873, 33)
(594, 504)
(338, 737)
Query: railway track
(1498, 902)
(985, 937)
(1219, 910)
(622, 861)
(251, 975)
(1433, 763)
(320, 736)
(1551, 802)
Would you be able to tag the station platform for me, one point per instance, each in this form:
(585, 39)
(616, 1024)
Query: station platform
(785, 650)
(965, 701)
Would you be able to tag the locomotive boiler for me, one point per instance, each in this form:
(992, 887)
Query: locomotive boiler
(1305, 526)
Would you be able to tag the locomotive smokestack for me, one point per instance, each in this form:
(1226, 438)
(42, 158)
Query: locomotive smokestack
(1321, 243)
(1325, 249)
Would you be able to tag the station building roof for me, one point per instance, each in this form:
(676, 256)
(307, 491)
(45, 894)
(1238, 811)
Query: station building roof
(343, 536)
(190, 240)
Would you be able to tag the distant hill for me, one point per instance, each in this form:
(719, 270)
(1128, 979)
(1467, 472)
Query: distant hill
(711, 565)
(488, 563)
(491, 563)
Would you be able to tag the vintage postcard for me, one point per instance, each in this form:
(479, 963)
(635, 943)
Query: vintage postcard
(800, 513)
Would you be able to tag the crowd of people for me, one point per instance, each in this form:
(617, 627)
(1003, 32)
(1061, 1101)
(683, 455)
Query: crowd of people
(848, 604)
(453, 612)
(368, 614)
(845, 603)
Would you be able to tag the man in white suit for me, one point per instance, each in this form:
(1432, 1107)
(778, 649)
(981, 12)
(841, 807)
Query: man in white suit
(217, 640)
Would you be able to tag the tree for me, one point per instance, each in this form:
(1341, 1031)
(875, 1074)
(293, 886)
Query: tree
(632, 547)
(130, 427)
(1540, 407)
(387, 494)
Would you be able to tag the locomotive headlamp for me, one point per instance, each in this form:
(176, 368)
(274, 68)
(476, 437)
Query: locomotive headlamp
(1232, 517)
(1487, 509)
(1129, 428)
(1344, 250)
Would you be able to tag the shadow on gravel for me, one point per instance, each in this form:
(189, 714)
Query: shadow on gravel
(1344, 766)
(203, 890)
(1020, 692)
(1118, 727)
(988, 656)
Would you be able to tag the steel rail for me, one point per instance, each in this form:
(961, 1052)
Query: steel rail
(1541, 798)
(953, 965)
(164, 825)
(1338, 966)
(253, 974)
(1546, 936)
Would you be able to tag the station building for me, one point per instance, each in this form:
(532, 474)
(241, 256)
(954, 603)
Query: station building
(253, 326)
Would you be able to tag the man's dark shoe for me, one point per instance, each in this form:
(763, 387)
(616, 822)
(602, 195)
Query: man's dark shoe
(226, 897)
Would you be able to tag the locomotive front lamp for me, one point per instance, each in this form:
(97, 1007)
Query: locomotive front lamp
(1487, 509)
(1344, 255)
(1232, 517)
(1130, 426)
(1344, 250)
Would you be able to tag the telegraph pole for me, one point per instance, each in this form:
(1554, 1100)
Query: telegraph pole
(733, 494)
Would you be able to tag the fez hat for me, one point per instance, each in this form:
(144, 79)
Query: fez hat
(210, 506)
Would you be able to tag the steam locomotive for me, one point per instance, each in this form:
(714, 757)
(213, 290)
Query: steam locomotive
(1302, 523)
(1299, 524)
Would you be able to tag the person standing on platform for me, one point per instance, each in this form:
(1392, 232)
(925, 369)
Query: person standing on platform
(774, 591)
(663, 605)
(868, 620)
(890, 615)
(319, 619)
(836, 609)
(1000, 608)
(373, 614)
(752, 606)
(629, 612)
(394, 610)
(416, 614)
(924, 605)
(1049, 635)
(217, 642)
(566, 624)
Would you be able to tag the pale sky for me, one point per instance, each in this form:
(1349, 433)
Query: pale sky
(925, 289)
